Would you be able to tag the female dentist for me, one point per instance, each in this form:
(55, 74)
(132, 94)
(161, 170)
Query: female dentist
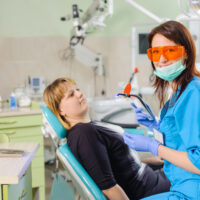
(172, 54)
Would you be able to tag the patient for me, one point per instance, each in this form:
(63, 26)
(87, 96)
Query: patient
(101, 151)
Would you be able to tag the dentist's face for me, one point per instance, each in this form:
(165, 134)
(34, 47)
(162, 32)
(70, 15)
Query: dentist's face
(159, 41)
(73, 104)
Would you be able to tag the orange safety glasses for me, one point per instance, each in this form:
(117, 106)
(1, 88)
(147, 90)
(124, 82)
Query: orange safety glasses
(169, 52)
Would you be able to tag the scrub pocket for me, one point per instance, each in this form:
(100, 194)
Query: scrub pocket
(169, 130)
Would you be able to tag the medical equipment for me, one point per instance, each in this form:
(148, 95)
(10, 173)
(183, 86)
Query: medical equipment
(115, 111)
(192, 14)
(137, 102)
(195, 5)
(24, 101)
(89, 58)
(11, 153)
(143, 119)
(94, 17)
(85, 186)
(146, 12)
(169, 52)
(128, 87)
(119, 118)
(35, 87)
(36, 83)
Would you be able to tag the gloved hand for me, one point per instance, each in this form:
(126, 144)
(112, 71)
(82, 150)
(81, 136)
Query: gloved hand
(141, 143)
(143, 118)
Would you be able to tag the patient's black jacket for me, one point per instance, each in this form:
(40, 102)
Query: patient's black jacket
(107, 159)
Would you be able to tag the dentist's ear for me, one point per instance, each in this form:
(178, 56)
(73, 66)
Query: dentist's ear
(185, 57)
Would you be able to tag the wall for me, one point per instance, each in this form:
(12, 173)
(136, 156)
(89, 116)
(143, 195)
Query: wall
(36, 18)
(33, 39)
(44, 56)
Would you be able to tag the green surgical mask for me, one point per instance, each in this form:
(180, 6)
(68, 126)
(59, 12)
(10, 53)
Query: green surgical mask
(170, 72)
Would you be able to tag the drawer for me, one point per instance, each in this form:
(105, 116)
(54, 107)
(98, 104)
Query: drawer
(39, 139)
(20, 121)
(37, 176)
(22, 132)
(38, 161)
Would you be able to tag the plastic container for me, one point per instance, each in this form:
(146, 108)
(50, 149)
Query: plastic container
(1, 102)
(13, 103)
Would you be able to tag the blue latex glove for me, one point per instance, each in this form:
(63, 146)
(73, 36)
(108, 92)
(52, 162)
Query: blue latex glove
(144, 118)
(141, 143)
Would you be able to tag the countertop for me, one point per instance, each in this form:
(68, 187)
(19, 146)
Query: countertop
(12, 169)
(8, 112)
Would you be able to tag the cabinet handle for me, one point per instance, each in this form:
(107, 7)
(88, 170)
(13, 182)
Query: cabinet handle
(8, 133)
(11, 122)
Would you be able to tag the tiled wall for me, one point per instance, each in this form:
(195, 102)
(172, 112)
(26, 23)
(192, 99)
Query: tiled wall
(23, 57)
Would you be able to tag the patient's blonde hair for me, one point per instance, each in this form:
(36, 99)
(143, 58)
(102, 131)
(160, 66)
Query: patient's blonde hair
(53, 95)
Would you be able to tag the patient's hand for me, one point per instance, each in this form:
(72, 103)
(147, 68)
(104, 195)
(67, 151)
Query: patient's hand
(154, 160)
(115, 193)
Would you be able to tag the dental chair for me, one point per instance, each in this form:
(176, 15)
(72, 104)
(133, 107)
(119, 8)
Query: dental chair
(83, 183)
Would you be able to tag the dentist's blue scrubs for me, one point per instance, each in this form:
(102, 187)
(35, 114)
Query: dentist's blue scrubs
(180, 125)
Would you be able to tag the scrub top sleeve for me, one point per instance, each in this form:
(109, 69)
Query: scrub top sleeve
(187, 118)
(94, 158)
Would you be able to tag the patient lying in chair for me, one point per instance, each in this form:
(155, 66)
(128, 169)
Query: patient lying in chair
(100, 150)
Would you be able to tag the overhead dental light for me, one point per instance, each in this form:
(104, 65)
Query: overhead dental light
(195, 6)
(192, 13)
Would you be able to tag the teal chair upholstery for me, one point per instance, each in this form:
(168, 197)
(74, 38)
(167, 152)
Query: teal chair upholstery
(83, 183)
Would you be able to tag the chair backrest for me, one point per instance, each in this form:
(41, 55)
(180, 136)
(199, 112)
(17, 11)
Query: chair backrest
(82, 181)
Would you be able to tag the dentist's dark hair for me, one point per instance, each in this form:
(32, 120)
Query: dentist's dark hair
(179, 34)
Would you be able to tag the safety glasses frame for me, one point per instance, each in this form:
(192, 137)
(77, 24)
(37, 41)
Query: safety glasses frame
(169, 52)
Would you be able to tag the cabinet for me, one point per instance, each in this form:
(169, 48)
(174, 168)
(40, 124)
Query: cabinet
(20, 191)
(26, 127)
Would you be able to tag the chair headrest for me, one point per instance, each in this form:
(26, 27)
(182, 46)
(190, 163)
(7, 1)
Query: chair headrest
(54, 122)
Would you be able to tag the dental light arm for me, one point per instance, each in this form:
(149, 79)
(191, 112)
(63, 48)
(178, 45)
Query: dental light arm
(89, 58)
(93, 17)
(146, 12)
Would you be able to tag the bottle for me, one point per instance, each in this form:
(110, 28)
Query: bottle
(1, 102)
(13, 103)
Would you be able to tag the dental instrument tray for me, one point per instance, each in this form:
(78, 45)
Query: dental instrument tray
(11, 153)
(138, 102)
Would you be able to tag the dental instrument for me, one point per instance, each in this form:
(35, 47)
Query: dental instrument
(138, 102)
(128, 87)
